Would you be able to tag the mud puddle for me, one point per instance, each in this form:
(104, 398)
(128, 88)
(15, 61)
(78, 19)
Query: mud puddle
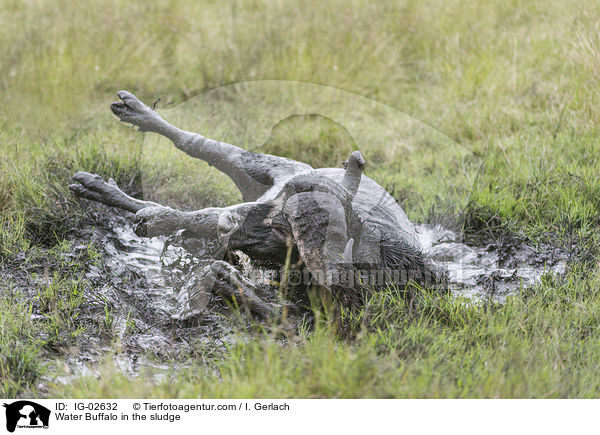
(138, 280)
(133, 299)
(491, 271)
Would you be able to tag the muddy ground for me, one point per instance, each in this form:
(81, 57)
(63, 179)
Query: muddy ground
(129, 287)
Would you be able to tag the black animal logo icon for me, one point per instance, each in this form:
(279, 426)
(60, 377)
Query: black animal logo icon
(26, 413)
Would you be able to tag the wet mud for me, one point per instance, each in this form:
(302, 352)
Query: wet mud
(132, 292)
(494, 270)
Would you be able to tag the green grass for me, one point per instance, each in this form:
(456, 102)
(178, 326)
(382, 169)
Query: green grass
(542, 343)
(511, 89)
(37, 324)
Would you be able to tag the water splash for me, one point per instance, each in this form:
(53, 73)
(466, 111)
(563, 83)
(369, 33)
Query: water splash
(474, 271)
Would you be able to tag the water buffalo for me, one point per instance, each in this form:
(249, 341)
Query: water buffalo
(333, 223)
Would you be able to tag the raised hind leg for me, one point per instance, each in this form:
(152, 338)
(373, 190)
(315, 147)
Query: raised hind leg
(152, 219)
(252, 173)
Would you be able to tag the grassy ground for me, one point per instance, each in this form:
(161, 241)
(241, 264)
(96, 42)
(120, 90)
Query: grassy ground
(514, 83)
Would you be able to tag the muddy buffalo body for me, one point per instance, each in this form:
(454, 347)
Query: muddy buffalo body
(336, 227)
